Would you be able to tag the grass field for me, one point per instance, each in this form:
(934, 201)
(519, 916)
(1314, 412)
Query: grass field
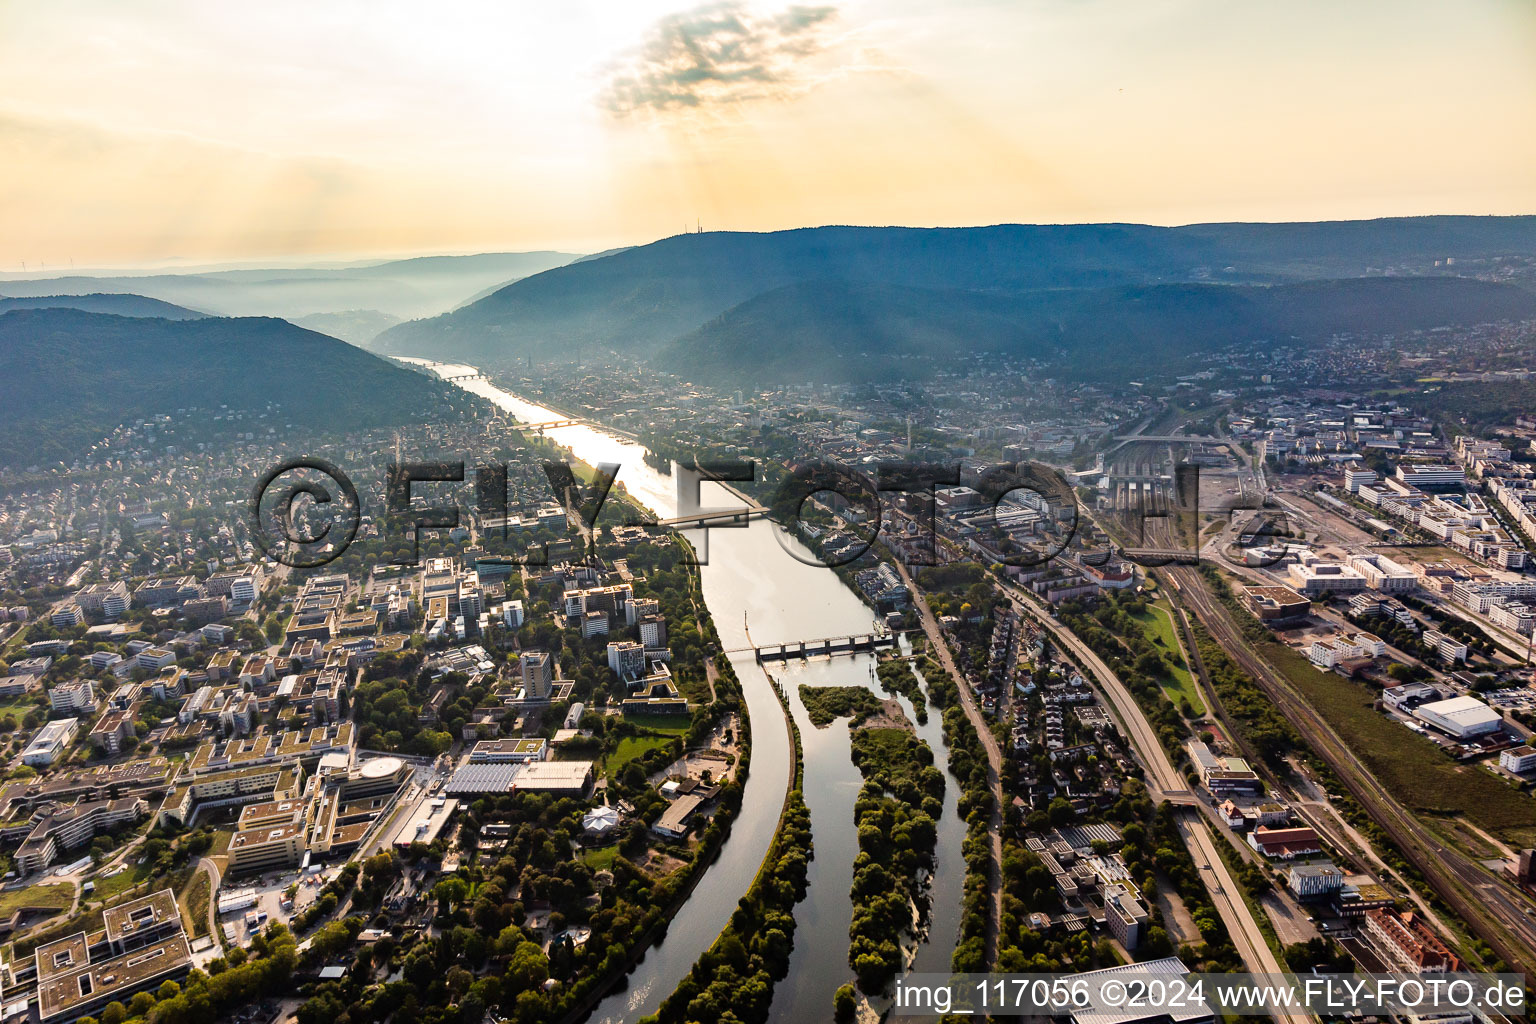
(56, 897)
(1158, 626)
(194, 902)
(1411, 767)
(600, 859)
(19, 706)
(109, 886)
(631, 747)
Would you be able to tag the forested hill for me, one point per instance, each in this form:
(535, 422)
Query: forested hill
(837, 331)
(99, 302)
(71, 377)
(638, 301)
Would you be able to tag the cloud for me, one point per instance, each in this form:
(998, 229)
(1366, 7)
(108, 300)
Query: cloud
(719, 55)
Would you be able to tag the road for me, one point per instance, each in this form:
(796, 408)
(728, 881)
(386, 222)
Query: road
(1165, 783)
(1163, 780)
(989, 743)
(1233, 909)
(209, 868)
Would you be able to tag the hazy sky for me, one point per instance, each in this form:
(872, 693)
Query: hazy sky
(161, 130)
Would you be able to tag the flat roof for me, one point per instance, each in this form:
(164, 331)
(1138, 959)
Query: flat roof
(1460, 709)
(1100, 1011)
(102, 980)
(483, 778)
(553, 773)
(254, 837)
(126, 918)
(379, 767)
(61, 955)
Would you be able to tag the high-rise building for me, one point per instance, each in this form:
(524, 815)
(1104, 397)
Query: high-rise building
(538, 674)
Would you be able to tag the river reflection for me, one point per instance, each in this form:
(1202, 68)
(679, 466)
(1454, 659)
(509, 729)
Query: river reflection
(760, 595)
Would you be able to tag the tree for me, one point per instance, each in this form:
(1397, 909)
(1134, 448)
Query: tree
(450, 892)
(528, 967)
(845, 1004)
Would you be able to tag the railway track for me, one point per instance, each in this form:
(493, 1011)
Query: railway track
(1491, 907)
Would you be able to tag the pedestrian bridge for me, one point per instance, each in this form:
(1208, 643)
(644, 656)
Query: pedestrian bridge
(827, 646)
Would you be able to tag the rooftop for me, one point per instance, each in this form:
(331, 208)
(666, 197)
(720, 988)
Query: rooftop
(136, 915)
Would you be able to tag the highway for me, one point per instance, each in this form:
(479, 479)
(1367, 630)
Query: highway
(1165, 783)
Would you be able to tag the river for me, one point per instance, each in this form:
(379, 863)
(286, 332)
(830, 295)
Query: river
(759, 595)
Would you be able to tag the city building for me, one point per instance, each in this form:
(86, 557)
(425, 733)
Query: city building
(1449, 648)
(253, 851)
(1285, 843)
(1314, 881)
(1431, 475)
(1383, 574)
(1354, 478)
(1275, 605)
(653, 632)
(50, 742)
(1223, 776)
(141, 946)
(1114, 1010)
(1326, 652)
(512, 614)
(66, 828)
(104, 600)
(1409, 943)
(1459, 717)
(77, 696)
(538, 674)
(508, 751)
(111, 734)
(626, 658)
(1124, 914)
(1518, 759)
(1315, 577)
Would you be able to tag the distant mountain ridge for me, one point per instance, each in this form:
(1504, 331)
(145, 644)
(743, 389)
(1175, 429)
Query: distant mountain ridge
(641, 301)
(120, 304)
(71, 377)
(842, 332)
(419, 286)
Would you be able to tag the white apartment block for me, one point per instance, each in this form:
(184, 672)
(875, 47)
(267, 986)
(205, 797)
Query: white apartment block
(1354, 478)
(512, 614)
(105, 600)
(1518, 759)
(1329, 651)
(242, 590)
(1312, 576)
(1513, 616)
(626, 658)
(1383, 574)
(77, 695)
(1430, 474)
(653, 632)
(1449, 648)
(155, 658)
